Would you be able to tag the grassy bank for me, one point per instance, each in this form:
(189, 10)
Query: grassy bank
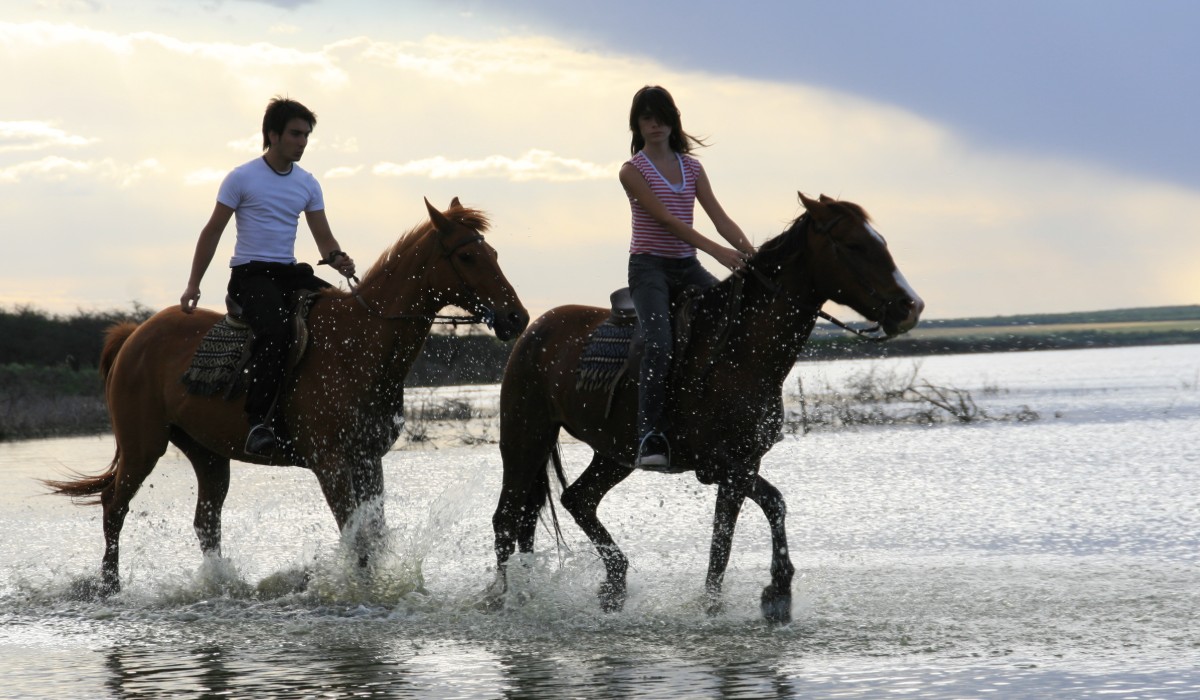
(39, 402)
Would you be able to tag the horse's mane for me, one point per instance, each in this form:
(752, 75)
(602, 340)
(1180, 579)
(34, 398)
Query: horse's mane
(779, 250)
(471, 218)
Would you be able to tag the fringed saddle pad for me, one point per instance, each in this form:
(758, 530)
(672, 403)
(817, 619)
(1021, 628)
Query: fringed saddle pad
(219, 359)
(604, 357)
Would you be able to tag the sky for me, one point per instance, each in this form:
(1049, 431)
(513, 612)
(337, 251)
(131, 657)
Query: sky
(1019, 156)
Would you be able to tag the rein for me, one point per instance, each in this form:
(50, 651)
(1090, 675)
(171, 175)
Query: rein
(442, 319)
(872, 333)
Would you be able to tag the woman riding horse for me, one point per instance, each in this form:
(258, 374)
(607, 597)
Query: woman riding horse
(746, 334)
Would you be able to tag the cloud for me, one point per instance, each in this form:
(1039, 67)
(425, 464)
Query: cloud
(204, 176)
(345, 171)
(250, 145)
(465, 61)
(532, 131)
(237, 58)
(532, 165)
(35, 136)
(59, 169)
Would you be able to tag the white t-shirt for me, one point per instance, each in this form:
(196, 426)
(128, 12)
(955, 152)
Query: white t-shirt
(267, 208)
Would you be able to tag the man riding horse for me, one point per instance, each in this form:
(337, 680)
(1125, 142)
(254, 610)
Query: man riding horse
(268, 195)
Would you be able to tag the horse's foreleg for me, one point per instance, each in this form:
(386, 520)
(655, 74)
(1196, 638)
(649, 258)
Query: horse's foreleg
(777, 597)
(729, 504)
(337, 484)
(213, 485)
(582, 499)
(369, 513)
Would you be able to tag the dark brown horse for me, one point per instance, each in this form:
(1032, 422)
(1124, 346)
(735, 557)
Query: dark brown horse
(341, 405)
(746, 334)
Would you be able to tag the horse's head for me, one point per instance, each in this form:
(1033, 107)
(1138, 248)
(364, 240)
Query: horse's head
(851, 265)
(464, 271)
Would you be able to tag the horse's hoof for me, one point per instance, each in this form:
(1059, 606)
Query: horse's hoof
(283, 583)
(777, 606)
(714, 607)
(490, 604)
(491, 599)
(612, 597)
(92, 589)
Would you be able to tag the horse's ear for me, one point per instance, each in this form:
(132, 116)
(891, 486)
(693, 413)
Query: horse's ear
(815, 207)
(827, 200)
(454, 203)
(440, 222)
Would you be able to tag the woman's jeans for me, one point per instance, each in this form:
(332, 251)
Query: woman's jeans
(653, 282)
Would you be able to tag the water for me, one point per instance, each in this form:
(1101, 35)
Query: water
(1053, 558)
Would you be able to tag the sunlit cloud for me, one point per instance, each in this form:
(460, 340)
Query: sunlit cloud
(59, 169)
(204, 176)
(464, 61)
(345, 145)
(532, 165)
(346, 171)
(35, 135)
(250, 145)
(45, 35)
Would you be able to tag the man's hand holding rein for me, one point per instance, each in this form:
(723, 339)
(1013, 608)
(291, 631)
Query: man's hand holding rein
(339, 261)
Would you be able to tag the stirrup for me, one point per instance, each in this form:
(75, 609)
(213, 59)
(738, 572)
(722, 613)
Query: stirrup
(260, 440)
(655, 461)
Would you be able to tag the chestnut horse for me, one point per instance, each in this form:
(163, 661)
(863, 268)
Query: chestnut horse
(746, 334)
(341, 405)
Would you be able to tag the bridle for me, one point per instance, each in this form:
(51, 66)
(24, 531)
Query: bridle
(872, 333)
(486, 317)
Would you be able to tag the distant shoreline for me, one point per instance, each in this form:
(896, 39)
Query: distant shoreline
(832, 344)
(60, 401)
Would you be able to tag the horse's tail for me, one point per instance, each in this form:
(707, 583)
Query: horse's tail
(84, 489)
(114, 338)
(544, 486)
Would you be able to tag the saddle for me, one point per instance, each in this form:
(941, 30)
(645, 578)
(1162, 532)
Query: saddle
(219, 364)
(614, 349)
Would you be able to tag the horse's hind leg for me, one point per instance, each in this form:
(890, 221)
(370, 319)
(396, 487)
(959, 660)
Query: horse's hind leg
(212, 479)
(582, 499)
(730, 496)
(777, 597)
(524, 488)
(134, 464)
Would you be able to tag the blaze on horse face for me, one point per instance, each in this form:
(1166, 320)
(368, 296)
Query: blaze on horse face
(859, 271)
(478, 284)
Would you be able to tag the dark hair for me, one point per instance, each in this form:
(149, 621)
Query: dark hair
(280, 111)
(656, 102)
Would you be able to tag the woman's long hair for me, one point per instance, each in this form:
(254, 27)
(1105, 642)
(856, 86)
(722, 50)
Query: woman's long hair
(656, 102)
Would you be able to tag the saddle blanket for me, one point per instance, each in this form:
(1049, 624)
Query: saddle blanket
(220, 358)
(604, 357)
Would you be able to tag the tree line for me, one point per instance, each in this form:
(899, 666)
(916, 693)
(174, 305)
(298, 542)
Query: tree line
(31, 338)
(34, 338)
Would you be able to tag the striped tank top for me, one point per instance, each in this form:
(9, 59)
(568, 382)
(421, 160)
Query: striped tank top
(649, 236)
